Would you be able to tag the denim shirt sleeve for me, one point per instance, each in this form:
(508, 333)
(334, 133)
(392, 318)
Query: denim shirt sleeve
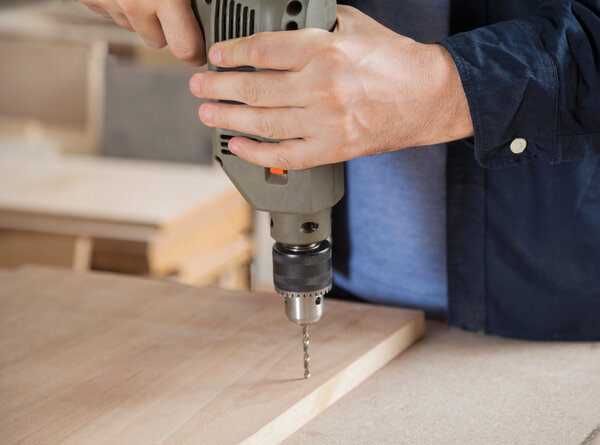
(535, 78)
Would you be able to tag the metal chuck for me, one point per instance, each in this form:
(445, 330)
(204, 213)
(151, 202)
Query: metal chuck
(303, 275)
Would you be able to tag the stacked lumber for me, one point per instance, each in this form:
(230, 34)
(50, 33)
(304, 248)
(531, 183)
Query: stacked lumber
(137, 217)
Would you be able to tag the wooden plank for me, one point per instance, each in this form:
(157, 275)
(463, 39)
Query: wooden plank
(18, 247)
(219, 225)
(106, 197)
(145, 217)
(209, 266)
(98, 358)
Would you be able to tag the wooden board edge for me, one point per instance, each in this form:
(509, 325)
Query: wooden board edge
(339, 385)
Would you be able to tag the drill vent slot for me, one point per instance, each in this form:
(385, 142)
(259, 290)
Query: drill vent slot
(233, 20)
(225, 144)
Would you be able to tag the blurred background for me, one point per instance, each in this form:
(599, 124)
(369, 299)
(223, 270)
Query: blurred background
(104, 164)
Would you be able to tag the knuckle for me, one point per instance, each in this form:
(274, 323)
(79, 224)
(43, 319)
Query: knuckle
(250, 92)
(102, 4)
(313, 33)
(269, 128)
(284, 160)
(186, 53)
(156, 43)
(337, 52)
(256, 51)
(129, 7)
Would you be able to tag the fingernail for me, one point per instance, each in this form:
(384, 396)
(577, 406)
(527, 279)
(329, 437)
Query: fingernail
(216, 56)
(234, 148)
(195, 85)
(206, 115)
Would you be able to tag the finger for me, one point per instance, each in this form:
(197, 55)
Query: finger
(291, 154)
(94, 7)
(282, 50)
(269, 123)
(122, 21)
(261, 88)
(149, 29)
(117, 15)
(182, 31)
(99, 10)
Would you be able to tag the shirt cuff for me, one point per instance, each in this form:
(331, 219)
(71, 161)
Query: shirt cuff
(511, 86)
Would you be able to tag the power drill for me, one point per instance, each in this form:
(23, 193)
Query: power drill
(299, 201)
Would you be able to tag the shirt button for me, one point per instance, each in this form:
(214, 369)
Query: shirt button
(518, 145)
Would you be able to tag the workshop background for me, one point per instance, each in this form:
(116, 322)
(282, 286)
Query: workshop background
(104, 164)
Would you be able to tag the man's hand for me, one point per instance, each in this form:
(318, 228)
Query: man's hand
(335, 96)
(159, 23)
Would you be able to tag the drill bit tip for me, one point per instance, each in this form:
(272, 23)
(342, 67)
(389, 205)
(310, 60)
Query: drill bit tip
(305, 343)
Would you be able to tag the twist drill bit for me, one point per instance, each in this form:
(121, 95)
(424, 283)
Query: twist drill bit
(305, 343)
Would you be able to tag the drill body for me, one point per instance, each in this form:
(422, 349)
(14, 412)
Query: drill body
(299, 202)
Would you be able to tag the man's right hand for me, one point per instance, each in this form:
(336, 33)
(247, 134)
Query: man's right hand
(159, 23)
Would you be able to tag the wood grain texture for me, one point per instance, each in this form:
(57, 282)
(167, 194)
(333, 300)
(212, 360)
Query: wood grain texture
(144, 217)
(206, 268)
(100, 192)
(95, 358)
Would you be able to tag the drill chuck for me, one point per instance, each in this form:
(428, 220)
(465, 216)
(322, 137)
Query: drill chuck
(303, 275)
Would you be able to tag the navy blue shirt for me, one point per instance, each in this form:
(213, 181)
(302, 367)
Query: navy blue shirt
(523, 224)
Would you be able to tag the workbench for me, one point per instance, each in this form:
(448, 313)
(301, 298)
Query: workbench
(102, 358)
(457, 387)
(109, 359)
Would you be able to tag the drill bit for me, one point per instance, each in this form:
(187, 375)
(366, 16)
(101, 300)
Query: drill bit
(305, 343)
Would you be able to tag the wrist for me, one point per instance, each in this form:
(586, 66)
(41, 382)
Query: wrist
(451, 114)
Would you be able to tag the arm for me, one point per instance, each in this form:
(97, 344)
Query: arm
(535, 78)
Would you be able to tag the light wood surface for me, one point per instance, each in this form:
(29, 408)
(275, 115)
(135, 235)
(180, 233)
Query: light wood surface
(141, 195)
(206, 268)
(144, 216)
(98, 358)
(457, 387)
